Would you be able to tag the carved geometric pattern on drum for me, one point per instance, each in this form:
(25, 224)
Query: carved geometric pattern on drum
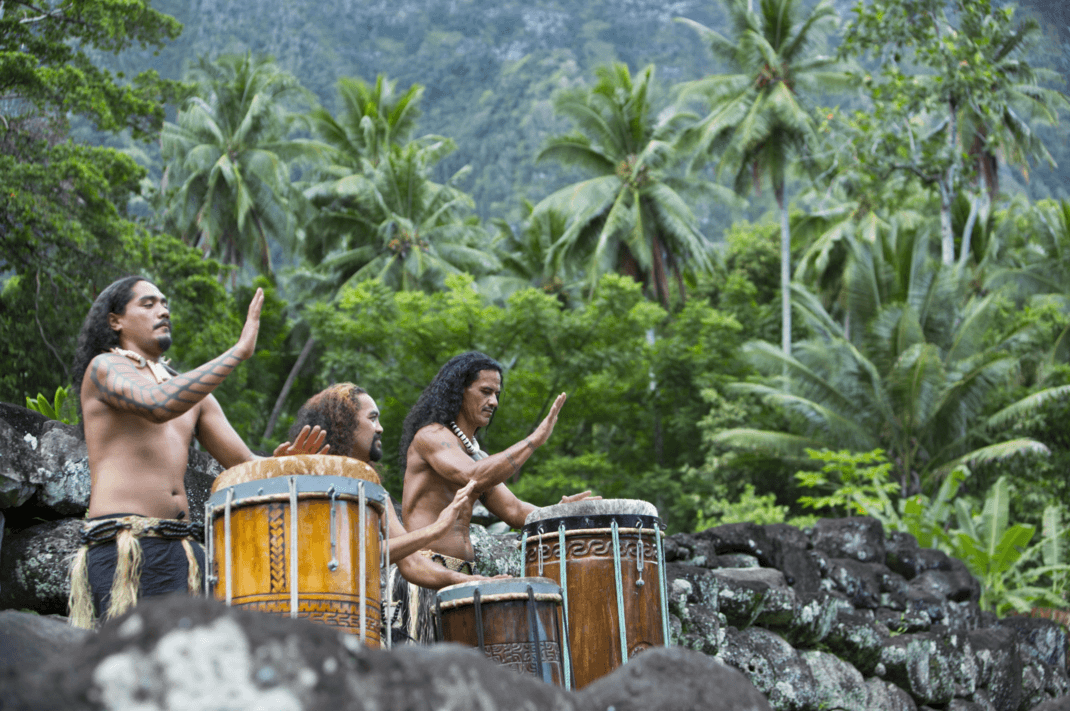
(328, 612)
(277, 547)
(520, 656)
(592, 548)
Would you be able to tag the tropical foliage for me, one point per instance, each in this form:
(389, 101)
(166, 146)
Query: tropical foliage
(631, 216)
(227, 183)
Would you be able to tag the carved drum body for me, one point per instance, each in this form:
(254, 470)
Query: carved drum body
(299, 536)
(516, 623)
(607, 556)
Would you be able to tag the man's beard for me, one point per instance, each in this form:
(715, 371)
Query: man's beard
(164, 342)
(375, 452)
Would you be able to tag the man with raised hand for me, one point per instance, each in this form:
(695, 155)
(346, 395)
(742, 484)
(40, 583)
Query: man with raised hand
(440, 454)
(140, 417)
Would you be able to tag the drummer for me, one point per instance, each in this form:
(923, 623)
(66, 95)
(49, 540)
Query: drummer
(350, 417)
(440, 453)
(140, 418)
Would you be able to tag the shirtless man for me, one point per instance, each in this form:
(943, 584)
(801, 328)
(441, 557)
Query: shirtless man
(140, 418)
(440, 453)
(350, 417)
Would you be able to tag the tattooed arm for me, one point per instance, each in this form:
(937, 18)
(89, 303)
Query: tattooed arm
(121, 386)
(443, 453)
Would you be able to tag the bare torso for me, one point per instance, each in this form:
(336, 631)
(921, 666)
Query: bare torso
(137, 466)
(426, 493)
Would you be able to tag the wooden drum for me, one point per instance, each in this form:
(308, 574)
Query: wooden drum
(516, 623)
(612, 575)
(299, 536)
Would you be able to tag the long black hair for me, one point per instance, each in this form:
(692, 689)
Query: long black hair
(441, 400)
(97, 336)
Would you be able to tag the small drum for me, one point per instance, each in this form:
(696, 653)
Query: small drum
(299, 536)
(516, 623)
(612, 576)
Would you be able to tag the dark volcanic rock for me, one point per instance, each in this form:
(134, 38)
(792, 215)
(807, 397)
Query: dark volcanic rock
(772, 665)
(748, 538)
(857, 639)
(61, 472)
(1039, 639)
(915, 662)
(181, 652)
(28, 640)
(34, 564)
(201, 471)
(20, 435)
(858, 581)
(792, 557)
(901, 554)
(673, 679)
(999, 666)
(1060, 704)
(858, 537)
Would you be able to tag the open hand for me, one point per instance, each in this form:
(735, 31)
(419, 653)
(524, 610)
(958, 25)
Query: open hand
(460, 509)
(308, 441)
(247, 341)
(546, 427)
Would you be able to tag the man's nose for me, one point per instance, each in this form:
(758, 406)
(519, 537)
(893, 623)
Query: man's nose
(494, 401)
(378, 428)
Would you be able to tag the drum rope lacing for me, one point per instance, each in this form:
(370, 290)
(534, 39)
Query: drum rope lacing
(226, 536)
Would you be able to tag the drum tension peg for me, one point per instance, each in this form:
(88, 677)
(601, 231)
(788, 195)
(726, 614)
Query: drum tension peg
(333, 564)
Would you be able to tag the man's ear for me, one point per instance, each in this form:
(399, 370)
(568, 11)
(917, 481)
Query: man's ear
(113, 322)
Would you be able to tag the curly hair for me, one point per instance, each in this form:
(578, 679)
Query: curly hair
(335, 410)
(441, 400)
(97, 336)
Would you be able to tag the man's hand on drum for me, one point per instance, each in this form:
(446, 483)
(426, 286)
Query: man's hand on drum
(579, 497)
(308, 441)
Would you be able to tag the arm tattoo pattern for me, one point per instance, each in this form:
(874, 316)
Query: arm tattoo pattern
(122, 387)
(516, 467)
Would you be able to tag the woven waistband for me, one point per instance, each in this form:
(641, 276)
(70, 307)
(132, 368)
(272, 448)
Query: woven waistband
(104, 530)
(455, 564)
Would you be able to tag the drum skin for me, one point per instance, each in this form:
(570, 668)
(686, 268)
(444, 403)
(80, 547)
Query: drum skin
(261, 548)
(593, 624)
(507, 637)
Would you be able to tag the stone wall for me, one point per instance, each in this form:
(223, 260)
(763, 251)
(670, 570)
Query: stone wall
(837, 617)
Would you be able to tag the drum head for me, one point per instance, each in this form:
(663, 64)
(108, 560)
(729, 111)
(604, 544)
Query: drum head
(465, 592)
(296, 465)
(593, 513)
(278, 489)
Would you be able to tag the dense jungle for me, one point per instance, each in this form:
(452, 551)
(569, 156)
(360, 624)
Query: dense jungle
(788, 259)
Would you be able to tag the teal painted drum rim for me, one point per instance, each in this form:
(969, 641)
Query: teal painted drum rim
(458, 594)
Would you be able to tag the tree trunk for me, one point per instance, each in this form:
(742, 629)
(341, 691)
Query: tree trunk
(785, 269)
(305, 352)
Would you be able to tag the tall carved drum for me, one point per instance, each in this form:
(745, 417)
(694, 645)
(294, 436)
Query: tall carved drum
(516, 623)
(299, 536)
(607, 556)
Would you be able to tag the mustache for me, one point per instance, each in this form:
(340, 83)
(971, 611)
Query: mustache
(163, 322)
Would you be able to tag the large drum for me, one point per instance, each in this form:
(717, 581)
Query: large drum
(516, 623)
(299, 536)
(607, 556)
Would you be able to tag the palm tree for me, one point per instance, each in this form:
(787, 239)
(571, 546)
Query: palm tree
(631, 216)
(914, 381)
(392, 222)
(229, 160)
(371, 118)
(757, 123)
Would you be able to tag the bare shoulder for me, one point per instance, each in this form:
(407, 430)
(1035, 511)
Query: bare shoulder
(430, 435)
